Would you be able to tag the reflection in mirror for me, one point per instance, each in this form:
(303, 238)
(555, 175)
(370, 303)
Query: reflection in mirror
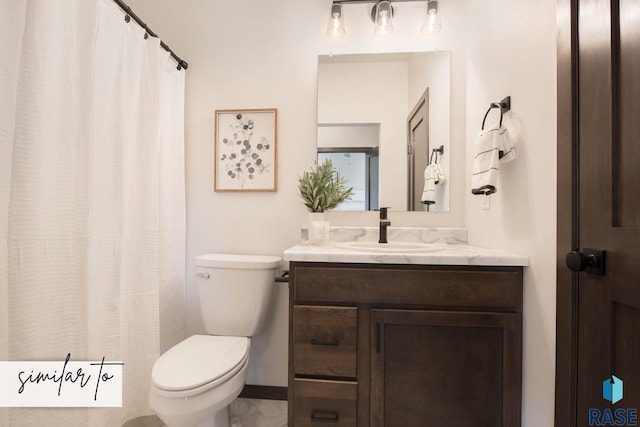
(380, 116)
(353, 150)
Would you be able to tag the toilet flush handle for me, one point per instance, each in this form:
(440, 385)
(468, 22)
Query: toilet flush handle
(202, 276)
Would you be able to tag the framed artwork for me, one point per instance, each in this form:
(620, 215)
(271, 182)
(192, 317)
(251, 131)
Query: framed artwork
(245, 150)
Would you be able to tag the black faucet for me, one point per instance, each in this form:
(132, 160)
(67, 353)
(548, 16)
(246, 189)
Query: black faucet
(384, 223)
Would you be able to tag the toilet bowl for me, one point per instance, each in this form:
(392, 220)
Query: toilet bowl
(194, 382)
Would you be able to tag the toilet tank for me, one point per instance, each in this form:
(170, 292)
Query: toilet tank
(236, 292)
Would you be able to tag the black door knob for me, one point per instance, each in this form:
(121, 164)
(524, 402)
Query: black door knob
(590, 260)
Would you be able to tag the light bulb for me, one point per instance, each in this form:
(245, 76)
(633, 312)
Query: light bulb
(335, 27)
(383, 14)
(431, 22)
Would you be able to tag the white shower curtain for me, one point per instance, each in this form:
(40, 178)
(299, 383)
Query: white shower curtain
(92, 221)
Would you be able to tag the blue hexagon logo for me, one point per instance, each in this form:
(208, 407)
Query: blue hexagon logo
(612, 389)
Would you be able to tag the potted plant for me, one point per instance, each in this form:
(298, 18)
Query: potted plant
(322, 188)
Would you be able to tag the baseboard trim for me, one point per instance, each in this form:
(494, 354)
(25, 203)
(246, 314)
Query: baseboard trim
(264, 392)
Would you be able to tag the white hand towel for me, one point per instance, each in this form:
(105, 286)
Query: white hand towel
(507, 151)
(490, 148)
(433, 175)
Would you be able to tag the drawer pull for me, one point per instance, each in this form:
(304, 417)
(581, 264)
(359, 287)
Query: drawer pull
(333, 343)
(324, 417)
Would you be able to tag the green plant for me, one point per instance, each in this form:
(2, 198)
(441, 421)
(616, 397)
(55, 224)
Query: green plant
(323, 188)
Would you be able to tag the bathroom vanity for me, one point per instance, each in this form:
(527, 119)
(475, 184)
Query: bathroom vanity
(405, 339)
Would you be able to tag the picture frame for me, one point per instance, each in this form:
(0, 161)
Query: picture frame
(245, 150)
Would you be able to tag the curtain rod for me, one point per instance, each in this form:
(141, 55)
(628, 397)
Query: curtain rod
(181, 63)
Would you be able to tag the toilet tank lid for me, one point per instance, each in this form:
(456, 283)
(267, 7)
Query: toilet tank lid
(238, 261)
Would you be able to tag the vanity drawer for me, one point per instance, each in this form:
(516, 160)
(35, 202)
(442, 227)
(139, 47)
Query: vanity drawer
(495, 288)
(324, 403)
(325, 341)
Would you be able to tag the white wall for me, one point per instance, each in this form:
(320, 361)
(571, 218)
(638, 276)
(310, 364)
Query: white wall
(511, 51)
(364, 135)
(252, 53)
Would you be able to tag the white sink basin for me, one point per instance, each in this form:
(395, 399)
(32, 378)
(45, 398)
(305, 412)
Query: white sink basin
(391, 247)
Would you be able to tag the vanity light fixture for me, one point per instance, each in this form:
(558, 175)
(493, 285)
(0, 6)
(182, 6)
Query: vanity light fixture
(382, 15)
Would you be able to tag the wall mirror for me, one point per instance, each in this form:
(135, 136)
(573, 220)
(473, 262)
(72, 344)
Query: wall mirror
(382, 119)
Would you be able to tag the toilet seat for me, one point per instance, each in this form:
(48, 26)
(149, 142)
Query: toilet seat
(244, 262)
(199, 363)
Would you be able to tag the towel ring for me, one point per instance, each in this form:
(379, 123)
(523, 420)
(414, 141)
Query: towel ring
(439, 150)
(504, 106)
(491, 107)
(435, 152)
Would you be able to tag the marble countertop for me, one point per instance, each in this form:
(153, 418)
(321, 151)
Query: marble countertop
(452, 254)
(455, 250)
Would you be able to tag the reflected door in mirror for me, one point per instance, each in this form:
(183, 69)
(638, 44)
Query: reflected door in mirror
(418, 152)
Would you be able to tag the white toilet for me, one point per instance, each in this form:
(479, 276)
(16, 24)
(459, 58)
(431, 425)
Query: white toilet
(193, 382)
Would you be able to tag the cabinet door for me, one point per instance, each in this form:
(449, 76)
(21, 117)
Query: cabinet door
(445, 369)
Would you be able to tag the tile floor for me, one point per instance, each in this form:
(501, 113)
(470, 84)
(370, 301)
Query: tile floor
(244, 413)
(258, 413)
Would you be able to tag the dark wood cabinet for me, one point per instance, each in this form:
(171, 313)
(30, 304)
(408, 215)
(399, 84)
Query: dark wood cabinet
(405, 345)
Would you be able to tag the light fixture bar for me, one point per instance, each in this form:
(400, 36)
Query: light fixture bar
(372, 1)
(382, 15)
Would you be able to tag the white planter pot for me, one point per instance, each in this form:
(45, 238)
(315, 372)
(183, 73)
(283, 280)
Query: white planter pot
(318, 231)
